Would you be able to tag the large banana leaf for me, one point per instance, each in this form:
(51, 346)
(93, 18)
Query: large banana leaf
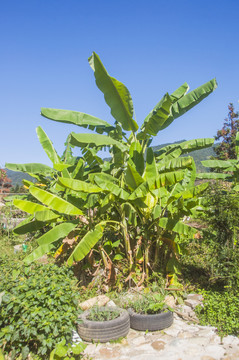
(136, 156)
(61, 167)
(196, 144)
(220, 164)
(111, 187)
(179, 93)
(188, 101)
(58, 232)
(38, 253)
(191, 192)
(174, 164)
(116, 95)
(83, 140)
(151, 171)
(33, 168)
(46, 240)
(78, 185)
(76, 118)
(28, 225)
(29, 206)
(140, 192)
(183, 148)
(46, 216)
(177, 226)
(105, 176)
(170, 178)
(213, 176)
(79, 170)
(170, 154)
(54, 202)
(132, 177)
(161, 112)
(189, 175)
(150, 201)
(157, 117)
(87, 243)
(47, 145)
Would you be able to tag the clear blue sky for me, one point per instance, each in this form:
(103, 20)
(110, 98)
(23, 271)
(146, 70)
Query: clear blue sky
(151, 46)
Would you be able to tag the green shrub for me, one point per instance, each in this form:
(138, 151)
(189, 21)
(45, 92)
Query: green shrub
(221, 214)
(214, 259)
(220, 310)
(38, 308)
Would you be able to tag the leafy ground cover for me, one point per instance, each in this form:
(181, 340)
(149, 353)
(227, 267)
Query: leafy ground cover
(39, 307)
(220, 309)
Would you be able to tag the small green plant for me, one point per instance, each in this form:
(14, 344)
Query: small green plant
(38, 308)
(63, 351)
(103, 314)
(220, 310)
(151, 303)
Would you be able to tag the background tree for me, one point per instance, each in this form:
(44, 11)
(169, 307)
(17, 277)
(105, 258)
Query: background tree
(227, 147)
(5, 182)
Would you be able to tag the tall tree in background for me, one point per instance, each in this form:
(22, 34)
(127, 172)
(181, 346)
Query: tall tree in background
(5, 182)
(227, 136)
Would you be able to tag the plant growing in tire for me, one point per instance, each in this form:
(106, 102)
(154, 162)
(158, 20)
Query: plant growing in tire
(102, 324)
(150, 312)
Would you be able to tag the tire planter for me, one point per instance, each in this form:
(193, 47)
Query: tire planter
(150, 322)
(104, 331)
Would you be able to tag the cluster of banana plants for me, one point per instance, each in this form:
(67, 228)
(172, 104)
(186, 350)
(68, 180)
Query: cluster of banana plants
(139, 194)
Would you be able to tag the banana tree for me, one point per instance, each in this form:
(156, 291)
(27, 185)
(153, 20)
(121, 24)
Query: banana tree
(135, 187)
(135, 181)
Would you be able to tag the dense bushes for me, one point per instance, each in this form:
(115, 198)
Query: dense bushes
(38, 307)
(220, 310)
(213, 259)
(212, 262)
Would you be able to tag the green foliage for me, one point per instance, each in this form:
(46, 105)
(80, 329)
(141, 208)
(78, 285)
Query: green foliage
(103, 314)
(221, 212)
(213, 260)
(220, 309)
(38, 307)
(134, 189)
(151, 303)
(63, 351)
(221, 216)
(227, 148)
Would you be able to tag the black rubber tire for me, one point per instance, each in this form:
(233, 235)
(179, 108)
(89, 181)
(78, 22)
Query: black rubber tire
(152, 322)
(104, 331)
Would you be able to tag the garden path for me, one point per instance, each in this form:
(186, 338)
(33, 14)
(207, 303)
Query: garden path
(181, 341)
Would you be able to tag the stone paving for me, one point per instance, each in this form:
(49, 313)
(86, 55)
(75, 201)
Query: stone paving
(181, 341)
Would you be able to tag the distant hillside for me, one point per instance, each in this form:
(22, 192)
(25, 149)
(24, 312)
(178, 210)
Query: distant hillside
(17, 177)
